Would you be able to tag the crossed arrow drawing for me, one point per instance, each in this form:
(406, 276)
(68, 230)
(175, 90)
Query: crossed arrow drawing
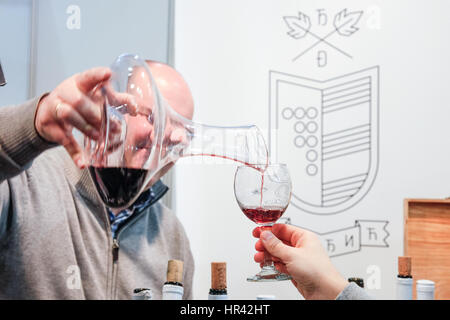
(344, 24)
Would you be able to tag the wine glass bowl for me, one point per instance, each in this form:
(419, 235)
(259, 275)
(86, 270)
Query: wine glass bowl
(263, 193)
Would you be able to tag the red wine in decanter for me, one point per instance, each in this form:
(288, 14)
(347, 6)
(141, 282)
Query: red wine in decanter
(117, 186)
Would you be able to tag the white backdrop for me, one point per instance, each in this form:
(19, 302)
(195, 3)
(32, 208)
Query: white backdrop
(373, 78)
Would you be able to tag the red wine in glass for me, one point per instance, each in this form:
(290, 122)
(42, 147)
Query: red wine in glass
(118, 186)
(263, 215)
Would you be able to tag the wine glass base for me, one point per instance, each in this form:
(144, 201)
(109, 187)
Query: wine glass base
(269, 277)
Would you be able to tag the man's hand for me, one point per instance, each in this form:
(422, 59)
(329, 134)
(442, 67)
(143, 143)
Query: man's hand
(69, 105)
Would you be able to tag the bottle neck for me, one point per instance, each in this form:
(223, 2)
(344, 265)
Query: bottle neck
(173, 283)
(218, 291)
(172, 291)
(218, 294)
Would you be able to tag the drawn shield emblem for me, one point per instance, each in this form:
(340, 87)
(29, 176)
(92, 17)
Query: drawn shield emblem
(327, 134)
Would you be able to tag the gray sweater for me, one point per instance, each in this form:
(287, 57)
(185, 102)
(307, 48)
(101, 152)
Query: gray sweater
(55, 236)
(353, 292)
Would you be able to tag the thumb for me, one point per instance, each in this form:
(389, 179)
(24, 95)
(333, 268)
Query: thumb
(74, 150)
(275, 246)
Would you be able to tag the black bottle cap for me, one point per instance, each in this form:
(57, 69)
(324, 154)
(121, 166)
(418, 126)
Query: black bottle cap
(174, 283)
(216, 292)
(358, 281)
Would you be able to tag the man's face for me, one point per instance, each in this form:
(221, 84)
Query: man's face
(140, 128)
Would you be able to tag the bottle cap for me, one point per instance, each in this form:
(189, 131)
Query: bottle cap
(175, 271)
(425, 285)
(425, 290)
(218, 275)
(358, 281)
(404, 266)
(265, 297)
(172, 292)
(142, 294)
(404, 288)
(223, 296)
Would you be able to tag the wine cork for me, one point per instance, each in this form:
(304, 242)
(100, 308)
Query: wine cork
(218, 275)
(175, 271)
(404, 266)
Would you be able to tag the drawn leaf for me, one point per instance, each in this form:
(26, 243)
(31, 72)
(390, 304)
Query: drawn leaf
(345, 23)
(298, 26)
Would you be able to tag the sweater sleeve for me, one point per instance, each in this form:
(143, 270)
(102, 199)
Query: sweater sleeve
(353, 292)
(19, 141)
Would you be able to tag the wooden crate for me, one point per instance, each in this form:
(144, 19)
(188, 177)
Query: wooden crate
(427, 242)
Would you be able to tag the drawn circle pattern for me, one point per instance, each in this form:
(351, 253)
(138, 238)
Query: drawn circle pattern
(311, 127)
(311, 169)
(287, 113)
(299, 127)
(299, 141)
(311, 141)
(311, 155)
(312, 112)
(299, 113)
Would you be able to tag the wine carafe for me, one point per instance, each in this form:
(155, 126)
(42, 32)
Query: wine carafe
(122, 162)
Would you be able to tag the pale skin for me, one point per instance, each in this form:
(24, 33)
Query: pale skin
(55, 124)
(76, 102)
(299, 253)
(177, 94)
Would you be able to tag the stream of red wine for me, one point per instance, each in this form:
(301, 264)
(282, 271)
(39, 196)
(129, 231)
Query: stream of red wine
(254, 166)
(262, 170)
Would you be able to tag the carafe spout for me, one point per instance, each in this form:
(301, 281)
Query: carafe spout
(243, 144)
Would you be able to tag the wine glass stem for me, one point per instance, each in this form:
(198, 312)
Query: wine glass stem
(267, 263)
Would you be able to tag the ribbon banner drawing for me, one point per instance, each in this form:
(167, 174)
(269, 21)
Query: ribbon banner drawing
(365, 233)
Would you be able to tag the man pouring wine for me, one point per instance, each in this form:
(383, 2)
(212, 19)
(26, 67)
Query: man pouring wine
(54, 226)
(58, 239)
(137, 143)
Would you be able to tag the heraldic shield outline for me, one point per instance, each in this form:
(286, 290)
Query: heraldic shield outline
(327, 133)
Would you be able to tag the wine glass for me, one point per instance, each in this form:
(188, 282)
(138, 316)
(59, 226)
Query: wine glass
(263, 193)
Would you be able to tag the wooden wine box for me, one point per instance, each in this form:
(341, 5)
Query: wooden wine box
(427, 242)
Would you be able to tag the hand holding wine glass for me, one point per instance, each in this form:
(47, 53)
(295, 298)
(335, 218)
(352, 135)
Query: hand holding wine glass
(299, 253)
(263, 194)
